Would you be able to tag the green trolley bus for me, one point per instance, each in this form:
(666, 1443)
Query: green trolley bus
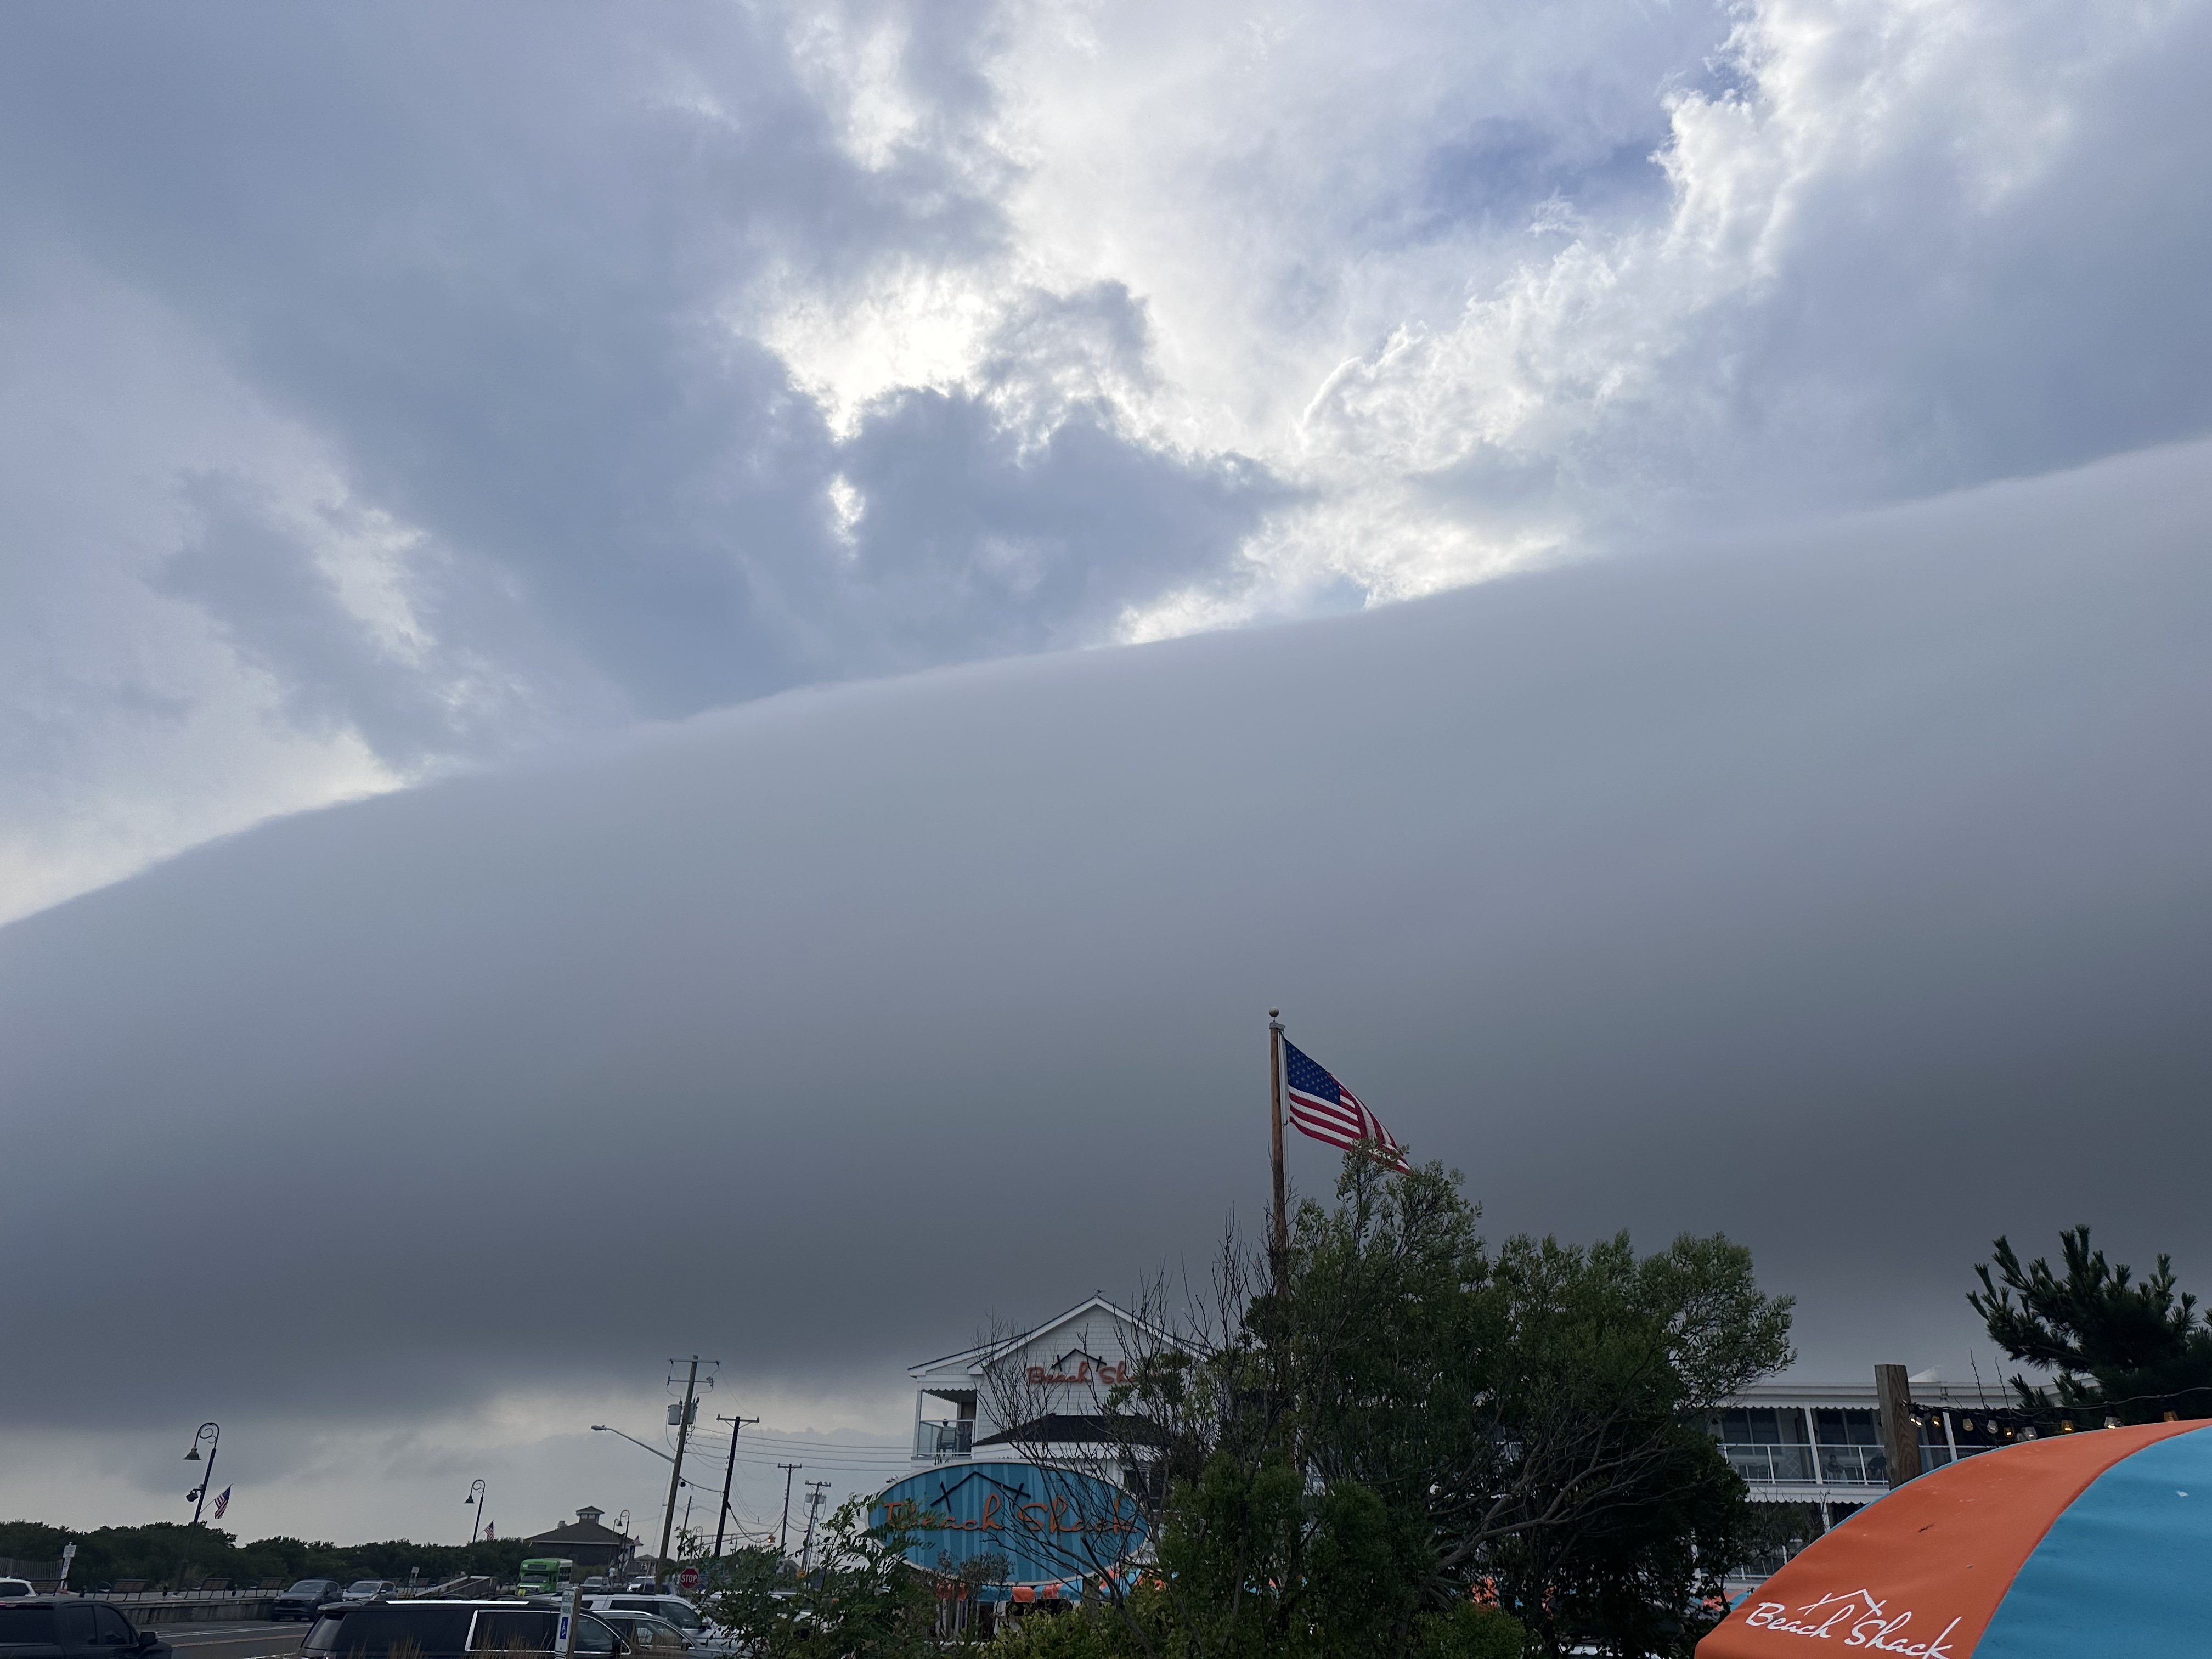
(544, 1575)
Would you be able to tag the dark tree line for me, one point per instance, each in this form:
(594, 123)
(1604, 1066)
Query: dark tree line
(173, 1555)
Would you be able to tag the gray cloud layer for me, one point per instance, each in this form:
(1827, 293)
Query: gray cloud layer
(1848, 889)
(487, 261)
(391, 389)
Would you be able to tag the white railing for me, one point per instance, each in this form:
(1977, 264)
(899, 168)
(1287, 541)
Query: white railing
(954, 1439)
(1837, 1466)
(1765, 1465)
(1768, 1465)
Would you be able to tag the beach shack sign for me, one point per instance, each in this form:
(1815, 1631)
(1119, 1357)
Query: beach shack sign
(1048, 1524)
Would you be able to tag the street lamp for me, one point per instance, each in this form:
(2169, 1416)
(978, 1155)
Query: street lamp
(475, 1497)
(212, 1433)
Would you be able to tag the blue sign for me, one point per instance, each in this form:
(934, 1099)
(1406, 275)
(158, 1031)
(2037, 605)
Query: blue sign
(1052, 1526)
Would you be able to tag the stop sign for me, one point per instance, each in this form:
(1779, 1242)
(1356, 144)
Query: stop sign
(689, 1578)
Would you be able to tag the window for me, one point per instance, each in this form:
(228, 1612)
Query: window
(1755, 1425)
(74, 1624)
(514, 1631)
(1848, 1428)
(592, 1637)
(110, 1629)
(322, 1635)
(379, 1632)
(26, 1626)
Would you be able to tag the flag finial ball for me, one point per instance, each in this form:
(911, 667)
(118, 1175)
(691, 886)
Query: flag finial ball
(1274, 1013)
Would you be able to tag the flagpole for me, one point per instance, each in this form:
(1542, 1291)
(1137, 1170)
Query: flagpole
(1279, 1245)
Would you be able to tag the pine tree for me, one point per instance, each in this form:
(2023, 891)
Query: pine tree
(2121, 1349)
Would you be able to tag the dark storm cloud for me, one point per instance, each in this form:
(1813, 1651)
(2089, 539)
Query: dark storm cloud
(489, 256)
(965, 538)
(1850, 890)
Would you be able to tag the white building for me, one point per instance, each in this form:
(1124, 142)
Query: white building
(1820, 1444)
(1816, 1447)
(1039, 1392)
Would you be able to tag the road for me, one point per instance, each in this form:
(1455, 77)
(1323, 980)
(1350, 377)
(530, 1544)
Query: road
(259, 1640)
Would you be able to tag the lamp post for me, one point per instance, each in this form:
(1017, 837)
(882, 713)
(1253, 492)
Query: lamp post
(475, 1497)
(212, 1433)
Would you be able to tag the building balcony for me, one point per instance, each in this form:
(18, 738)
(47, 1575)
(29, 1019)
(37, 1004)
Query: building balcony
(943, 1440)
(1806, 1465)
(1766, 1464)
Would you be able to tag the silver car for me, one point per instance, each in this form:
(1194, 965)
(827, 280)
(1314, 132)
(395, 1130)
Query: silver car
(699, 1635)
(649, 1636)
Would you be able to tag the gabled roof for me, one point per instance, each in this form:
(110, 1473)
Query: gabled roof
(973, 1361)
(579, 1532)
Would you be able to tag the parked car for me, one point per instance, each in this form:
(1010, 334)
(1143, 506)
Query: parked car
(66, 1627)
(649, 1636)
(674, 1608)
(699, 1635)
(302, 1600)
(449, 1630)
(15, 1589)
(367, 1590)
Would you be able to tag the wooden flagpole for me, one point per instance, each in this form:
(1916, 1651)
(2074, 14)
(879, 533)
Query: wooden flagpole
(1280, 1244)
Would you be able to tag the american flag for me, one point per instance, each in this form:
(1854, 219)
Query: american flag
(222, 1503)
(1324, 1108)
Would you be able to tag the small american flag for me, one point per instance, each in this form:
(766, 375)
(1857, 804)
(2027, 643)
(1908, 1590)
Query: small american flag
(1324, 1108)
(222, 1503)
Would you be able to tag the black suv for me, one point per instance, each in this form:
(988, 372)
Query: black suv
(64, 1627)
(304, 1598)
(449, 1630)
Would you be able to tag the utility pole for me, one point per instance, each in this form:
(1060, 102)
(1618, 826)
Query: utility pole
(814, 1501)
(676, 1469)
(1900, 1435)
(728, 1474)
(783, 1533)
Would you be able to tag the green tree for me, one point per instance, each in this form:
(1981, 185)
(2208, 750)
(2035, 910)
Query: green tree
(861, 1602)
(173, 1554)
(1411, 1421)
(2124, 1349)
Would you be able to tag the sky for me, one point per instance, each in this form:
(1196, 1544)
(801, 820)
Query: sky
(677, 679)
